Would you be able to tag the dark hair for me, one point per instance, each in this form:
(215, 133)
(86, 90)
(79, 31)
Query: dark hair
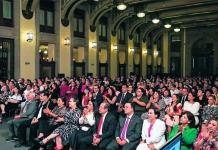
(63, 99)
(113, 91)
(156, 112)
(132, 105)
(75, 99)
(191, 118)
(45, 93)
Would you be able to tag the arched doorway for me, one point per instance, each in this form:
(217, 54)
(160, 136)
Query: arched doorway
(47, 60)
(202, 57)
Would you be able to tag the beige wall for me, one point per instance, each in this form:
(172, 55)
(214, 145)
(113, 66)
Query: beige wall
(113, 57)
(65, 52)
(27, 49)
(103, 56)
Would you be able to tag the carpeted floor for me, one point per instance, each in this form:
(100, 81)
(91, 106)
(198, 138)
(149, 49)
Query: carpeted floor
(3, 135)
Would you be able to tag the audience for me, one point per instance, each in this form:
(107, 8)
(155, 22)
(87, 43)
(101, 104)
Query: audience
(104, 102)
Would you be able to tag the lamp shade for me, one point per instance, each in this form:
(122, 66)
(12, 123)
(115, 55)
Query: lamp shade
(140, 14)
(155, 20)
(176, 29)
(67, 41)
(29, 37)
(121, 6)
(167, 25)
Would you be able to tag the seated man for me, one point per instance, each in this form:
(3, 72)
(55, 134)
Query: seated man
(26, 114)
(103, 131)
(128, 131)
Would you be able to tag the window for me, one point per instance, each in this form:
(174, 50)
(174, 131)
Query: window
(46, 15)
(42, 17)
(79, 23)
(6, 13)
(136, 38)
(175, 43)
(7, 9)
(121, 34)
(102, 29)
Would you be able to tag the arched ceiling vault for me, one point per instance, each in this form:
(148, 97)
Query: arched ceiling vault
(121, 17)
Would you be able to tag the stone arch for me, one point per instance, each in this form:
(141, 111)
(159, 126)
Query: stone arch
(202, 56)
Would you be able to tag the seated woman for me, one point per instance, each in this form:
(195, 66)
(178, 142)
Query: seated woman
(111, 99)
(58, 111)
(86, 122)
(192, 107)
(157, 103)
(85, 98)
(187, 127)
(14, 100)
(3, 98)
(210, 111)
(174, 110)
(153, 131)
(208, 137)
(71, 121)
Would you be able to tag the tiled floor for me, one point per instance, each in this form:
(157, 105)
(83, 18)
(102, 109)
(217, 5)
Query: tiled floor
(3, 135)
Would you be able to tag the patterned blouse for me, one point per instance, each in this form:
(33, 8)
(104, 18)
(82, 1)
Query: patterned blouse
(4, 97)
(209, 112)
(59, 112)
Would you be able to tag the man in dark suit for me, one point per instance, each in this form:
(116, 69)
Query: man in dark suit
(97, 97)
(128, 131)
(40, 120)
(26, 115)
(123, 98)
(103, 132)
(184, 96)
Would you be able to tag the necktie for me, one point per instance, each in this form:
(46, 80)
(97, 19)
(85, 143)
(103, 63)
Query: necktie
(24, 107)
(100, 125)
(123, 133)
(122, 97)
(183, 99)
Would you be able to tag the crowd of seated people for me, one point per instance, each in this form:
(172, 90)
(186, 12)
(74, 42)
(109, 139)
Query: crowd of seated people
(86, 113)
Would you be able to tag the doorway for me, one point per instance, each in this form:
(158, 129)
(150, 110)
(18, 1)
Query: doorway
(47, 62)
(202, 57)
(6, 58)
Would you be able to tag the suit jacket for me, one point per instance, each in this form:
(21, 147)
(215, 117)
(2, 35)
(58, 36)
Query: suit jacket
(49, 104)
(126, 99)
(108, 128)
(29, 109)
(133, 133)
(157, 133)
(98, 100)
(182, 101)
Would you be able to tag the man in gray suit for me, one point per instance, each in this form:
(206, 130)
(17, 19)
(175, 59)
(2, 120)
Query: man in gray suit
(128, 131)
(26, 114)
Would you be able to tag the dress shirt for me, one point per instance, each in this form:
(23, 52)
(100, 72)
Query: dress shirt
(100, 133)
(126, 129)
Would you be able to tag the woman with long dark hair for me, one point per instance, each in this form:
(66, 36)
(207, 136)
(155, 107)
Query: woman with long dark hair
(187, 127)
(173, 111)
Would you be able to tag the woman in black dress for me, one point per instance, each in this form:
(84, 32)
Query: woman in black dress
(71, 122)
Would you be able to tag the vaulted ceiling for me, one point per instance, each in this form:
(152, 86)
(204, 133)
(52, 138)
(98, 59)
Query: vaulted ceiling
(184, 13)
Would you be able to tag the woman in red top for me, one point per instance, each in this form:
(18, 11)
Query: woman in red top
(85, 98)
